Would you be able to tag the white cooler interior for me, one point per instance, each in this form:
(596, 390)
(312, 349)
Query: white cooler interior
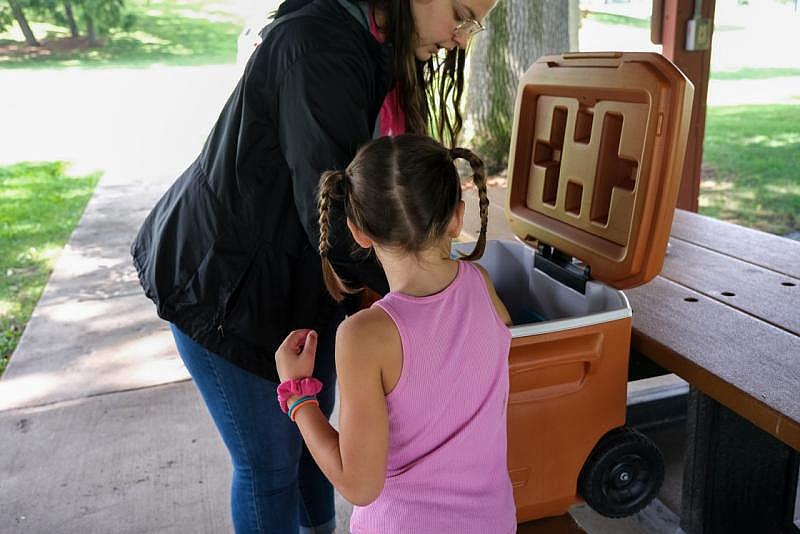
(534, 298)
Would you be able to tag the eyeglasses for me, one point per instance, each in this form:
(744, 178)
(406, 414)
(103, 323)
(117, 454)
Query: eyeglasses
(467, 26)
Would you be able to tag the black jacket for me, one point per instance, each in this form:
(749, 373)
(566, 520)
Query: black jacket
(229, 253)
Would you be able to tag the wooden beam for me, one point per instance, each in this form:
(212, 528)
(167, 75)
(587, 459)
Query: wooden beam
(696, 65)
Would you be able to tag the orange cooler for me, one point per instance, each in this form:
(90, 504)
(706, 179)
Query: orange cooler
(595, 165)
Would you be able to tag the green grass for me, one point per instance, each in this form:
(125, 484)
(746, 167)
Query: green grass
(610, 18)
(727, 28)
(39, 206)
(751, 160)
(755, 74)
(171, 32)
(635, 22)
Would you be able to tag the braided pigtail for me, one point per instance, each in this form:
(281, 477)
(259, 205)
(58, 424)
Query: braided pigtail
(479, 179)
(332, 187)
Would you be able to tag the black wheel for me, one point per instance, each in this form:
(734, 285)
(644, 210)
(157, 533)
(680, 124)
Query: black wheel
(623, 473)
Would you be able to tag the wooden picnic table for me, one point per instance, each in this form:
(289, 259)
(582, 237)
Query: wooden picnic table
(724, 315)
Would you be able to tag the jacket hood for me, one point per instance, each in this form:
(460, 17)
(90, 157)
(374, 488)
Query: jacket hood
(288, 6)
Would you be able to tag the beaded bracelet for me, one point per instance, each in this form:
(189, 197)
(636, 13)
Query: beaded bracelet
(302, 401)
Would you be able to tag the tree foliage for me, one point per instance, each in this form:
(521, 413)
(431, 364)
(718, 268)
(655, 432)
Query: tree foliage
(84, 18)
(17, 12)
(6, 18)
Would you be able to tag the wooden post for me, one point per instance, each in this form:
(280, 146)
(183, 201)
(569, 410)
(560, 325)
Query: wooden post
(737, 477)
(696, 65)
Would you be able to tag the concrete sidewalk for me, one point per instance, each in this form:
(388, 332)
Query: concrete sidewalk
(100, 427)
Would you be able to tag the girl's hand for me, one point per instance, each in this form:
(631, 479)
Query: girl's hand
(295, 357)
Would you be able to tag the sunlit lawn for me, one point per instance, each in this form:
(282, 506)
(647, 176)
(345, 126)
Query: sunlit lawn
(183, 32)
(614, 19)
(40, 204)
(751, 152)
(751, 73)
(752, 166)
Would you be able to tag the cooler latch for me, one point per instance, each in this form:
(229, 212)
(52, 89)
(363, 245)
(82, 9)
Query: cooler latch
(561, 267)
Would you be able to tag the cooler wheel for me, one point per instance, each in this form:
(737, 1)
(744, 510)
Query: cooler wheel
(623, 473)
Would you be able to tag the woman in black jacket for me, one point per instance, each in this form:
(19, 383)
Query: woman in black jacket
(228, 254)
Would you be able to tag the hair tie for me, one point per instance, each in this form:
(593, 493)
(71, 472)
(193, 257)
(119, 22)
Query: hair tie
(306, 386)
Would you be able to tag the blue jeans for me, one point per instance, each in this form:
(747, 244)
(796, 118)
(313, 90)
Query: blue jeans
(277, 487)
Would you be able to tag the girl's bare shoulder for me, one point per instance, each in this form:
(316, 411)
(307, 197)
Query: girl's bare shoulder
(370, 332)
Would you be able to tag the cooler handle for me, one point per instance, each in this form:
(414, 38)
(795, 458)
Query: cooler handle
(555, 390)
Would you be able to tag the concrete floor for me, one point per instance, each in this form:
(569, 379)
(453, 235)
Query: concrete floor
(100, 429)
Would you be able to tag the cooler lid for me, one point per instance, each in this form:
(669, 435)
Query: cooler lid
(596, 159)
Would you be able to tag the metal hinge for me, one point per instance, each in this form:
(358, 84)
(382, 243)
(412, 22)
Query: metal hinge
(561, 267)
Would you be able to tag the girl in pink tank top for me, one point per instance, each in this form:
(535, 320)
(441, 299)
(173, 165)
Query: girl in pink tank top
(423, 373)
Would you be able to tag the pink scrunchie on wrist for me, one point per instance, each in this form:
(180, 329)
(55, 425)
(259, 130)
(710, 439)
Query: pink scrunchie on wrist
(299, 387)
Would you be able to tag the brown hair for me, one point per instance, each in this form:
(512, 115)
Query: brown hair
(429, 92)
(402, 192)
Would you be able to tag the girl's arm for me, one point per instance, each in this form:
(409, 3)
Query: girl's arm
(353, 459)
(501, 309)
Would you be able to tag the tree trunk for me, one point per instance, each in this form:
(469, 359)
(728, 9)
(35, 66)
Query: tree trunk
(91, 32)
(16, 9)
(73, 26)
(518, 32)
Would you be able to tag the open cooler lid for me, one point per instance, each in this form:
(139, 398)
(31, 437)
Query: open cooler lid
(597, 158)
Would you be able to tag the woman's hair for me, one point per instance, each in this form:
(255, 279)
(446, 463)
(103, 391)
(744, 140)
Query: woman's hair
(402, 192)
(429, 92)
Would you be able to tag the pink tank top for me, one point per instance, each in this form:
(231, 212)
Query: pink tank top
(447, 469)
